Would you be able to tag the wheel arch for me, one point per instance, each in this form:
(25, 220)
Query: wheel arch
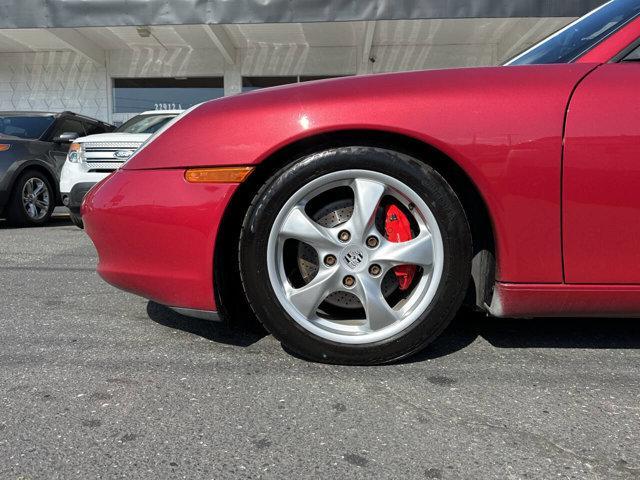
(41, 168)
(228, 290)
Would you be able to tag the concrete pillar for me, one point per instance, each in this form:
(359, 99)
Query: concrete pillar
(232, 78)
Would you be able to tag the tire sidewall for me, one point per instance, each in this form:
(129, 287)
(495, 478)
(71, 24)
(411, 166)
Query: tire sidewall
(76, 220)
(427, 183)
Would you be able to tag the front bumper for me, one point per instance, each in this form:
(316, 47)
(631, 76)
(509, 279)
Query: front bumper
(73, 200)
(155, 234)
(75, 182)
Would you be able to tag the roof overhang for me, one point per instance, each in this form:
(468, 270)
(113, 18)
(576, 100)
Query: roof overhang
(112, 13)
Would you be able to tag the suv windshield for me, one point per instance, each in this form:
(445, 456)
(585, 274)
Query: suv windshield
(24, 126)
(580, 36)
(145, 123)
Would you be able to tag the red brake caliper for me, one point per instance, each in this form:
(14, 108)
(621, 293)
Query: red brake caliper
(398, 229)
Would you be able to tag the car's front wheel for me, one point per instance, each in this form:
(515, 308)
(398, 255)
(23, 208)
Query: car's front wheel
(355, 255)
(32, 200)
(76, 220)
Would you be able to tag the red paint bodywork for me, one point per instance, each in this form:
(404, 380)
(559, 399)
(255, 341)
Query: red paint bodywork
(601, 179)
(503, 126)
(556, 300)
(616, 43)
(155, 234)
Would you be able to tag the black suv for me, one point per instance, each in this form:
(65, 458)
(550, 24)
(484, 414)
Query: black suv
(33, 148)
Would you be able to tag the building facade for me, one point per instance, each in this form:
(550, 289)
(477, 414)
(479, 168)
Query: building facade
(111, 59)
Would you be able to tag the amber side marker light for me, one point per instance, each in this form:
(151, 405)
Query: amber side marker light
(4, 147)
(218, 175)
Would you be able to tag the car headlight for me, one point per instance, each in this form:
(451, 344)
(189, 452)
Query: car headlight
(76, 153)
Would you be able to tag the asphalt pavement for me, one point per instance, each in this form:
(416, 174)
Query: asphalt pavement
(98, 383)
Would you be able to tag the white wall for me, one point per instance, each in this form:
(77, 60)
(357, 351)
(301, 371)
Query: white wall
(64, 80)
(53, 81)
(170, 62)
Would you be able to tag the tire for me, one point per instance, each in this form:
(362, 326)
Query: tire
(31, 212)
(268, 229)
(76, 220)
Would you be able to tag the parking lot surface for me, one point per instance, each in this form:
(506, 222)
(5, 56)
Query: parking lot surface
(98, 383)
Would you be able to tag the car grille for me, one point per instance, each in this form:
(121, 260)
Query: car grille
(100, 156)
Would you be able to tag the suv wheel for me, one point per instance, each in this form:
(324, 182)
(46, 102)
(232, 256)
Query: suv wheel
(32, 200)
(76, 220)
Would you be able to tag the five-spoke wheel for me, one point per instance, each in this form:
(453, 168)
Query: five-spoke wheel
(355, 255)
(352, 257)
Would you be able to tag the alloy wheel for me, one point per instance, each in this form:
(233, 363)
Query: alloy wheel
(333, 267)
(36, 198)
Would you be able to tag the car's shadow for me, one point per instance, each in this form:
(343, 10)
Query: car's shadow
(591, 333)
(217, 331)
(56, 221)
(588, 333)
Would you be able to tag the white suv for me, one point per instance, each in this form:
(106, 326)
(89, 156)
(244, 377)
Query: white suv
(94, 157)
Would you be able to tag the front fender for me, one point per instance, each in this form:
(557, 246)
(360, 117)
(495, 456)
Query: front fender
(10, 172)
(503, 126)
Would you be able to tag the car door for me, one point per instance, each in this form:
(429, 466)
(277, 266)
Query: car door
(601, 177)
(59, 150)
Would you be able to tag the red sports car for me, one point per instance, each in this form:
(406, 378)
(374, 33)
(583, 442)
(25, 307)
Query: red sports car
(354, 216)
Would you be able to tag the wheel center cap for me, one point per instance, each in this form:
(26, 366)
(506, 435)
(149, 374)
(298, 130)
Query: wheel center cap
(354, 257)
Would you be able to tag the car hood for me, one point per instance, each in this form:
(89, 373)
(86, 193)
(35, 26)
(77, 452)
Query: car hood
(115, 137)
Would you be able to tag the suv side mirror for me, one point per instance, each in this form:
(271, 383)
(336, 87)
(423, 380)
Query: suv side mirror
(66, 137)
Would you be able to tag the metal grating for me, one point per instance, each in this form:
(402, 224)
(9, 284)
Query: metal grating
(92, 146)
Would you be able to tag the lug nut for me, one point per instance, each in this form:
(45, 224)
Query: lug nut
(372, 241)
(344, 235)
(330, 260)
(375, 269)
(349, 281)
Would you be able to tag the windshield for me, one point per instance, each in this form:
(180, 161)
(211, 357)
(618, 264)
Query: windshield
(145, 123)
(24, 126)
(580, 36)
